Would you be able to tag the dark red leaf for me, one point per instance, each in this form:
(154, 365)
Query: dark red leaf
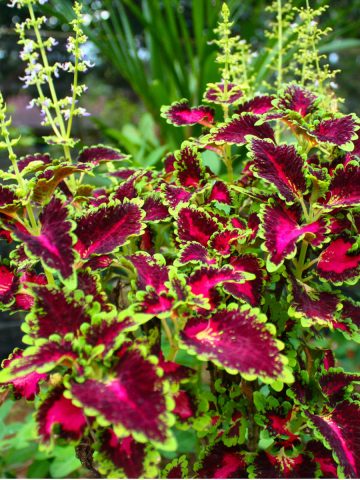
(222, 462)
(215, 93)
(235, 340)
(336, 263)
(107, 228)
(26, 386)
(125, 453)
(239, 127)
(189, 170)
(195, 225)
(281, 166)
(338, 131)
(297, 99)
(57, 410)
(54, 243)
(133, 398)
(98, 154)
(258, 105)
(341, 430)
(180, 113)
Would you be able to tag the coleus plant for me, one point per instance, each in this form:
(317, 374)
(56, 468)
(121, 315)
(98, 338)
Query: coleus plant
(175, 320)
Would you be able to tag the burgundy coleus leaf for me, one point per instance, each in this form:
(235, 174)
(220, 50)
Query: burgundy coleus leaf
(9, 284)
(8, 201)
(178, 468)
(340, 428)
(344, 188)
(26, 386)
(105, 229)
(334, 383)
(236, 340)
(155, 303)
(90, 285)
(169, 162)
(267, 465)
(175, 195)
(173, 371)
(100, 153)
(328, 360)
(281, 230)
(99, 262)
(195, 252)
(297, 99)
(180, 113)
(220, 193)
(147, 242)
(189, 170)
(127, 189)
(123, 173)
(258, 105)
(238, 127)
(99, 197)
(133, 398)
(151, 271)
(356, 151)
(337, 263)
(125, 453)
(220, 461)
(323, 458)
(339, 225)
(24, 299)
(195, 225)
(351, 311)
(250, 290)
(215, 93)
(39, 359)
(41, 159)
(280, 425)
(223, 241)
(5, 235)
(281, 166)
(54, 243)
(58, 413)
(337, 131)
(204, 280)
(184, 407)
(56, 313)
(107, 333)
(155, 210)
(314, 307)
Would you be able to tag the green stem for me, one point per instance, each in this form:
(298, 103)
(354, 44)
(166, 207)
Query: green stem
(301, 261)
(315, 50)
(75, 85)
(49, 276)
(310, 264)
(228, 163)
(280, 62)
(304, 209)
(48, 70)
(280, 44)
(20, 180)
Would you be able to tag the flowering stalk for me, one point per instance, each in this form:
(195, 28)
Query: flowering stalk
(58, 113)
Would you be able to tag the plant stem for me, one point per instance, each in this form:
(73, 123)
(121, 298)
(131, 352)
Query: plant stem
(280, 44)
(304, 209)
(168, 333)
(301, 261)
(280, 61)
(48, 69)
